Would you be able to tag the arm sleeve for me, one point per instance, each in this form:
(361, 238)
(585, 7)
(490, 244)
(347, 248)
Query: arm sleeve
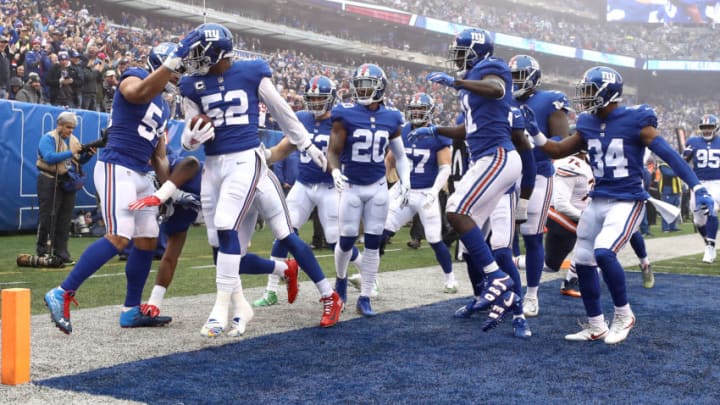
(401, 162)
(661, 148)
(190, 109)
(284, 115)
(441, 179)
(46, 148)
(529, 169)
(563, 188)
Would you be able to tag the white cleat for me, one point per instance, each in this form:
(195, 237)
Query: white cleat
(451, 287)
(710, 253)
(237, 327)
(620, 328)
(212, 328)
(531, 306)
(589, 333)
(356, 281)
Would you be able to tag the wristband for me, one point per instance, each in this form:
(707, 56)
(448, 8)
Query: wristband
(540, 139)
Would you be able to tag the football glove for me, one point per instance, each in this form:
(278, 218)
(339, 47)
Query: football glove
(188, 201)
(521, 214)
(441, 78)
(149, 201)
(422, 132)
(197, 135)
(317, 156)
(174, 60)
(404, 193)
(339, 179)
(430, 198)
(703, 202)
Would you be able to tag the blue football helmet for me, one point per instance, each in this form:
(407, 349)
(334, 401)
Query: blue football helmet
(599, 87)
(216, 44)
(420, 109)
(526, 74)
(708, 126)
(158, 54)
(368, 84)
(470, 47)
(320, 95)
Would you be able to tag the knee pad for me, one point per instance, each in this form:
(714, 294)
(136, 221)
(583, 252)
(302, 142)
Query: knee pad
(229, 241)
(603, 256)
(372, 241)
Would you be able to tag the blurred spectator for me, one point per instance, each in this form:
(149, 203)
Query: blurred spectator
(92, 72)
(60, 80)
(32, 91)
(14, 87)
(4, 66)
(109, 86)
(78, 74)
(286, 170)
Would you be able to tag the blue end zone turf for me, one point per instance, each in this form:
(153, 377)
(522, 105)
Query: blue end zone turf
(423, 355)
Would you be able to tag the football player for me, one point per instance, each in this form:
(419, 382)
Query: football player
(550, 110)
(229, 93)
(615, 137)
(135, 137)
(430, 157)
(361, 134)
(704, 153)
(484, 89)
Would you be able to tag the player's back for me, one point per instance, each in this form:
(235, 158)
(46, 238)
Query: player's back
(543, 104)
(706, 157)
(423, 155)
(616, 151)
(232, 101)
(486, 119)
(319, 130)
(134, 129)
(368, 134)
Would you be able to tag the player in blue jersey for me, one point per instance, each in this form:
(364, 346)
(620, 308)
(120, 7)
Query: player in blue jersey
(430, 159)
(135, 137)
(229, 93)
(484, 89)
(615, 137)
(361, 134)
(550, 111)
(704, 153)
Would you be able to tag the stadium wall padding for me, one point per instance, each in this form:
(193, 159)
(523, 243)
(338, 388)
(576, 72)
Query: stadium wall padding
(21, 126)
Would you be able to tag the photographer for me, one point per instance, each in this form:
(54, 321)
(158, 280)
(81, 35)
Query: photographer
(60, 156)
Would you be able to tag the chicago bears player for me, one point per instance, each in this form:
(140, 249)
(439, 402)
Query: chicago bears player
(550, 110)
(361, 134)
(615, 137)
(483, 86)
(704, 153)
(430, 157)
(135, 137)
(229, 92)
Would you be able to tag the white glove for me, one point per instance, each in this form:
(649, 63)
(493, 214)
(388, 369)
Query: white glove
(430, 198)
(521, 214)
(317, 156)
(404, 193)
(339, 179)
(198, 135)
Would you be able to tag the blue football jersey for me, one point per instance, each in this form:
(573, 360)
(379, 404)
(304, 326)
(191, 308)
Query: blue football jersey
(486, 119)
(423, 155)
(705, 157)
(544, 103)
(616, 151)
(368, 134)
(319, 130)
(231, 100)
(135, 129)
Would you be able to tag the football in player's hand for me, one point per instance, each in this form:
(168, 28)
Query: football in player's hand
(204, 118)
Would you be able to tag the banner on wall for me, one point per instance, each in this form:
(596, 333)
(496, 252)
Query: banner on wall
(21, 126)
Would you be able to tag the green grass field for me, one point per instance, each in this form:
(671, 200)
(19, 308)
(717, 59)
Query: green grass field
(196, 275)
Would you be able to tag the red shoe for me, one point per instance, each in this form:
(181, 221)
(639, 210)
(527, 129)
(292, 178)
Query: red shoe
(332, 306)
(150, 310)
(291, 279)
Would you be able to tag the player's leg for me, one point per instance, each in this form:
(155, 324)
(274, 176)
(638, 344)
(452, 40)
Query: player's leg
(233, 192)
(588, 228)
(622, 220)
(112, 181)
(375, 211)
(532, 231)
(349, 214)
(637, 242)
(476, 196)
(431, 219)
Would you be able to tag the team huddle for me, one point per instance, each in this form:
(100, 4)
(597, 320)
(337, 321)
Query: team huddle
(512, 131)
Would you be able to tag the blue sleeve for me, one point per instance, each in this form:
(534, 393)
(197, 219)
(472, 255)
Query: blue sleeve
(661, 148)
(529, 169)
(291, 167)
(279, 170)
(46, 148)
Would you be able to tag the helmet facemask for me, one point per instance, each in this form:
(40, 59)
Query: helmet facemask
(708, 131)
(524, 81)
(419, 114)
(367, 90)
(318, 104)
(589, 97)
(459, 59)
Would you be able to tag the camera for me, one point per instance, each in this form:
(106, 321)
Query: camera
(98, 143)
(28, 260)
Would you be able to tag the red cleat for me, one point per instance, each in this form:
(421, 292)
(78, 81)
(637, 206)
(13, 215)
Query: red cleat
(150, 310)
(291, 279)
(332, 306)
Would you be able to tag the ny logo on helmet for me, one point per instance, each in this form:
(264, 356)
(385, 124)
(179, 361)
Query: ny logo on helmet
(212, 35)
(478, 37)
(609, 77)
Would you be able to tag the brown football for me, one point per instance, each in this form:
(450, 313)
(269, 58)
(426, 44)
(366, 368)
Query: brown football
(202, 117)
